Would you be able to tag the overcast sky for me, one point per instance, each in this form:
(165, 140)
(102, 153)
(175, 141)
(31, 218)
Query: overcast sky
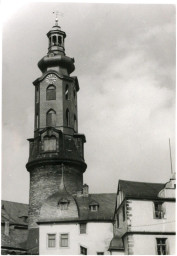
(125, 64)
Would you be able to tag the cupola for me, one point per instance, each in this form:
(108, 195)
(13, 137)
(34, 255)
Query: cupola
(56, 39)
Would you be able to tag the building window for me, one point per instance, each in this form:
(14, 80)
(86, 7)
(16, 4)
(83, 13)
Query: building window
(50, 143)
(159, 210)
(161, 246)
(83, 228)
(63, 204)
(67, 118)
(66, 92)
(51, 240)
(64, 240)
(83, 250)
(51, 92)
(124, 211)
(93, 208)
(100, 253)
(51, 118)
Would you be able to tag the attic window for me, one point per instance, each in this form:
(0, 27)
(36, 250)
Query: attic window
(24, 218)
(63, 204)
(94, 207)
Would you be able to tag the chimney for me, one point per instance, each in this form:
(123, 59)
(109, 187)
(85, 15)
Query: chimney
(85, 190)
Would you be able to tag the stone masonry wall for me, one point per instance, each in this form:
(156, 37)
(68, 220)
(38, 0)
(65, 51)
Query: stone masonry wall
(45, 181)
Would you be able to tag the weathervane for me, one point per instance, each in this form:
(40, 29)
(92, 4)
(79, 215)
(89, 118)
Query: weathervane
(56, 19)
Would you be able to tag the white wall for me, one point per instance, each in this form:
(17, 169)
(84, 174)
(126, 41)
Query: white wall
(96, 239)
(146, 244)
(143, 217)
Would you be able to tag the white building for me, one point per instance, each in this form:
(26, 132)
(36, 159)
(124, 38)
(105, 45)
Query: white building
(80, 224)
(145, 218)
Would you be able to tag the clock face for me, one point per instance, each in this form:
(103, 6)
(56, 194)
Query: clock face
(51, 79)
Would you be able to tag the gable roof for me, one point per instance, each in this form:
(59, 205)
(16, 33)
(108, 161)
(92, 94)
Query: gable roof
(12, 212)
(141, 190)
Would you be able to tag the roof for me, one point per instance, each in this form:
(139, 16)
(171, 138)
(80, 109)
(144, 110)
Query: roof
(116, 244)
(106, 202)
(142, 190)
(7, 242)
(12, 212)
(106, 206)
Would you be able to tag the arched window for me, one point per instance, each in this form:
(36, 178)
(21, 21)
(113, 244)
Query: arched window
(51, 92)
(50, 143)
(60, 40)
(54, 39)
(51, 118)
(67, 118)
(75, 123)
(66, 92)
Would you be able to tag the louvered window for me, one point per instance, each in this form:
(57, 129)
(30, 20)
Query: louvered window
(51, 118)
(51, 92)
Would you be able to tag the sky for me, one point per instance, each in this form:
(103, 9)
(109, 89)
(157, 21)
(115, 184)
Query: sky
(125, 63)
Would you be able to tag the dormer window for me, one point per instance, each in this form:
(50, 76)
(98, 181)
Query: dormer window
(63, 204)
(93, 206)
(24, 218)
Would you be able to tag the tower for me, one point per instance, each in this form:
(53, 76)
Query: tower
(56, 139)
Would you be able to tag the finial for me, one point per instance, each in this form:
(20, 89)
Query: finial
(56, 19)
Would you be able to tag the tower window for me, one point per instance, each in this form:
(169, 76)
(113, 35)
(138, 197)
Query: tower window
(51, 240)
(37, 94)
(75, 123)
(54, 39)
(66, 92)
(67, 118)
(60, 40)
(161, 246)
(64, 240)
(50, 143)
(51, 118)
(51, 92)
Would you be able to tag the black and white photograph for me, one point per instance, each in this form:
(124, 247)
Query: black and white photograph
(88, 128)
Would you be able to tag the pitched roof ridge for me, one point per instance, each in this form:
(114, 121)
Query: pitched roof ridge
(141, 182)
